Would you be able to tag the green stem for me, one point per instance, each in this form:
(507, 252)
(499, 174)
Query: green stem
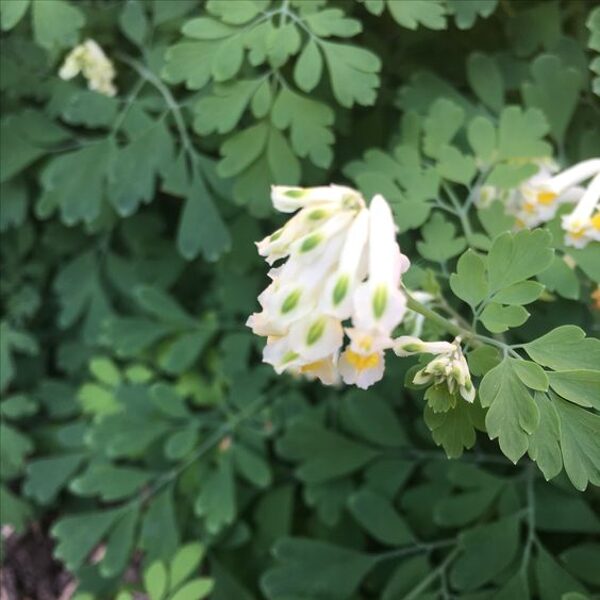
(437, 572)
(448, 325)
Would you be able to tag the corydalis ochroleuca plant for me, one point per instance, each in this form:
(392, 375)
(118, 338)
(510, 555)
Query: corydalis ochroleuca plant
(333, 305)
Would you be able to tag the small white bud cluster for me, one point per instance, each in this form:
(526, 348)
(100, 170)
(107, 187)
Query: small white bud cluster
(449, 367)
(89, 59)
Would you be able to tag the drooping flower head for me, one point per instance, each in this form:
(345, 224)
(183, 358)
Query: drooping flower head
(89, 59)
(342, 265)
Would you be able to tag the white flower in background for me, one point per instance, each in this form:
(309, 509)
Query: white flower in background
(342, 264)
(89, 59)
(583, 224)
(449, 367)
(537, 200)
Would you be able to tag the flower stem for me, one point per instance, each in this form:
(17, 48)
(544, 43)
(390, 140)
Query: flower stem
(448, 325)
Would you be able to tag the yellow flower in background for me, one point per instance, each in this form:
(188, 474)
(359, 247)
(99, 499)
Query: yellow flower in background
(583, 224)
(89, 60)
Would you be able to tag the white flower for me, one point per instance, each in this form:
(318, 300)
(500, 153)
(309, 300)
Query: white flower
(538, 199)
(330, 247)
(583, 224)
(89, 59)
(449, 367)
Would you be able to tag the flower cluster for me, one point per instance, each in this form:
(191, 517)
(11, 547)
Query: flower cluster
(537, 200)
(341, 276)
(449, 367)
(89, 59)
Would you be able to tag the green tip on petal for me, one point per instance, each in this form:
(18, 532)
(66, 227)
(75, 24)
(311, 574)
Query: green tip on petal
(315, 332)
(289, 357)
(317, 214)
(290, 302)
(379, 301)
(412, 347)
(340, 290)
(297, 193)
(275, 236)
(310, 242)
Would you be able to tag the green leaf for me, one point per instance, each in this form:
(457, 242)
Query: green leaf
(216, 501)
(497, 318)
(560, 278)
(454, 429)
(12, 12)
(580, 560)
(581, 386)
(134, 21)
(310, 125)
(469, 282)
(466, 11)
(440, 243)
(487, 551)
(555, 90)
(332, 22)
(185, 563)
(523, 292)
(235, 12)
(531, 374)
(579, 431)
(14, 447)
(453, 165)
(252, 466)
(565, 347)
(544, 446)
(56, 23)
(222, 110)
(242, 149)
(13, 510)
(120, 544)
(335, 572)
(520, 133)
(159, 533)
(201, 228)
(353, 72)
(156, 580)
(553, 581)
(75, 183)
(412, 13)
(516, 257)
(194, 590)
(481, 134)
(513, 414)
(309, 67)
(324, 454)
(77, 535)
(372, 419)
(486, 80)
(110, 482)
(444, 120)
(47, 476)
(379, 518)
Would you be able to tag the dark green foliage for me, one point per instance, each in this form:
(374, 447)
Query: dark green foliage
(136, 415)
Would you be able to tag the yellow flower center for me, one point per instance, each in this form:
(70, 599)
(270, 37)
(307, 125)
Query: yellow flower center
(313, 366)
(361, 362)
(546, 198)
(596, 221)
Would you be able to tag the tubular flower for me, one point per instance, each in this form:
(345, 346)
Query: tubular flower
(583, 224)
(449, 366)
(342, 263)
(538, 199)
(89, 59)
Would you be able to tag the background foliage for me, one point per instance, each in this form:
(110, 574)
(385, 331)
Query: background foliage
(136, 415)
